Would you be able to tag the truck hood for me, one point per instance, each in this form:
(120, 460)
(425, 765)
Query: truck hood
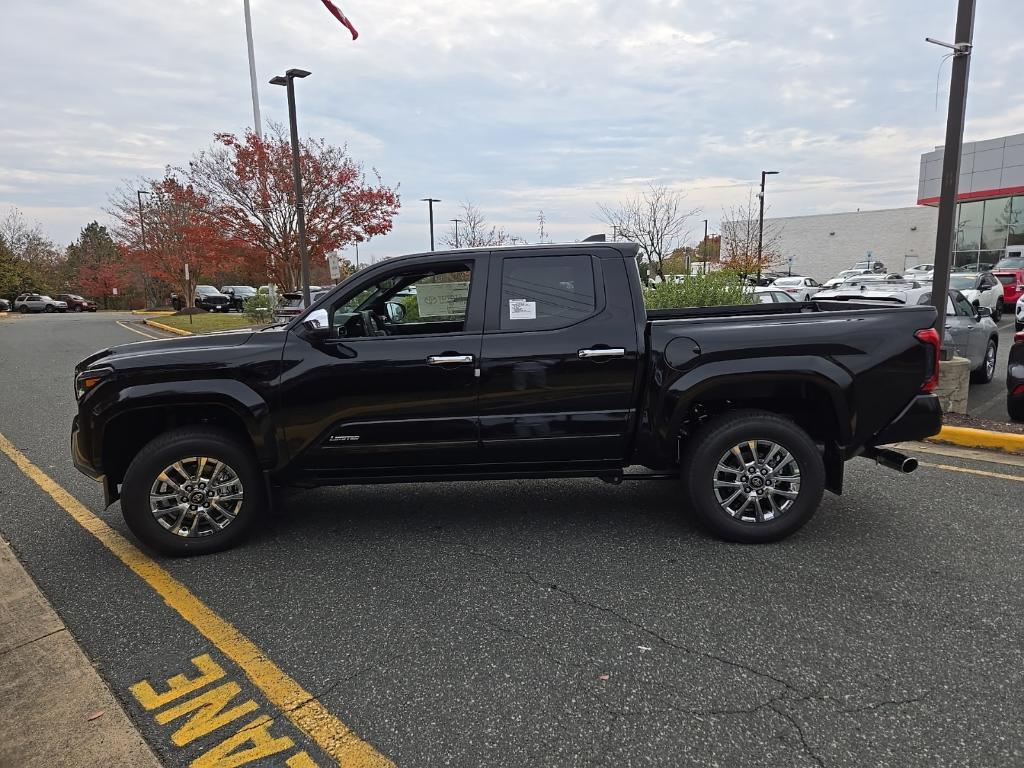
(212, 341)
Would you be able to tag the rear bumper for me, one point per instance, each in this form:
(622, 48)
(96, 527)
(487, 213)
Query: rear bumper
(920, 419)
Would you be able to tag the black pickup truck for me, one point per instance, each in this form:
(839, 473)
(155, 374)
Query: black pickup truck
(527, 362)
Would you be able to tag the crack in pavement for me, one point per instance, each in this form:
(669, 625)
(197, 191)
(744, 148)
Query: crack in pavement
(33, 640)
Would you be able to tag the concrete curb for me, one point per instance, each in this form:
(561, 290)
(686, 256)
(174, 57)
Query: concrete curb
(54, 707)
(167, 328)
(980, 438)
(154, 312)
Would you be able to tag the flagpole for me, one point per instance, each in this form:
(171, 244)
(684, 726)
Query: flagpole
(257, 122)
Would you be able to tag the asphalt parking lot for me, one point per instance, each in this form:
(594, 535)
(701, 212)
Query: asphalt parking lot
(555, 623)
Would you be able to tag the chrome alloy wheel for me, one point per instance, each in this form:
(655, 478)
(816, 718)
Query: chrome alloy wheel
(757, 481)
(990, 362)
(198, 496)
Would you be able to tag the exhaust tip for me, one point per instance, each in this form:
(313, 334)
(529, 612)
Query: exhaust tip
(909, 465)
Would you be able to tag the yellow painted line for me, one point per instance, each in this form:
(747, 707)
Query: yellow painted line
(982, 472)
(980, 438)
(168, 328)
(298, 705)
(136, 330)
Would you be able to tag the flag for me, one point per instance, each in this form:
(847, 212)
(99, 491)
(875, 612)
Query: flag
(336, 12)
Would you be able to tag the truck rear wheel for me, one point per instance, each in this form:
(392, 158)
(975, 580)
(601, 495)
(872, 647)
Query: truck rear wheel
(752, 476)
(192, 491)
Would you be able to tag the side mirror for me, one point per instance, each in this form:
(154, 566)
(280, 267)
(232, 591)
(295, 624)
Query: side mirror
(396, 311)
(984, 312)
(317, 324)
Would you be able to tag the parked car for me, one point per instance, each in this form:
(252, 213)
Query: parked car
(981, 289)
(800, 288)
(754, 407)
(209, 298)
(845, 275)
(1019, 315)
(907, 292)
(975, 335)
(1015, 379)
(5, 305)
(238, 295)
(876, 267)
(76, 303)
(1010, 272)
(771, 295)
(38, 302)
(919, 271)
(289, 305)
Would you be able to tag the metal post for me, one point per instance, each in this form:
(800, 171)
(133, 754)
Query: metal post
(946, 229)
(257, 122)
(760, 224)
(300, 212)
(142, 227)
(705, 254)
(430, 203)
(457, 222)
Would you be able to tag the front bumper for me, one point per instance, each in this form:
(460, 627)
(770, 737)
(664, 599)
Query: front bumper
(920, 419)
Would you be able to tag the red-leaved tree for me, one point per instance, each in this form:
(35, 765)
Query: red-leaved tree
(249, 186)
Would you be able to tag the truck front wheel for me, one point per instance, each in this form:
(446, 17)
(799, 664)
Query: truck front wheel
(192, 491)
(752, 476)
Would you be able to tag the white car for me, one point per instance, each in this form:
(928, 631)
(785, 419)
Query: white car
(919, 271)
(982, 289)
(800, 288)
(845, 275)
(1020, 315)
(889, 291)
(38, 302)
(770, 295)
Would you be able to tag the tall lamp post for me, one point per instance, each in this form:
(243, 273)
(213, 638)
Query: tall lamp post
(705, 254)
(288, 80)
(430, 204)
(760, 223)
(456, 222)
(145, 246)
(946, 228)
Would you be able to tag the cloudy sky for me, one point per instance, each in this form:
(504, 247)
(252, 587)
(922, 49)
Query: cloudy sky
(517, 105)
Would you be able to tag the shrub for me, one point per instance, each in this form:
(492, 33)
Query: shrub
(714, 289)
(258, 309)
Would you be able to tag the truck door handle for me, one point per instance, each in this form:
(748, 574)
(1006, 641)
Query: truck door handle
(617, 352)
(449, 359)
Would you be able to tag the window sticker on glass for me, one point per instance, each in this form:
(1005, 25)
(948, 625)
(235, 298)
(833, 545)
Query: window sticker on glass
(442, 299)
(521, 309)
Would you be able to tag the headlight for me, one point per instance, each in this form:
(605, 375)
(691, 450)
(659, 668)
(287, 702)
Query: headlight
(87, 380)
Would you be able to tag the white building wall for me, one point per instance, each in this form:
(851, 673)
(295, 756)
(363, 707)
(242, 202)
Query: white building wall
(823, 245)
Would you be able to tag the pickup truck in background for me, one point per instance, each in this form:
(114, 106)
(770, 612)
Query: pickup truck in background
(527, 362)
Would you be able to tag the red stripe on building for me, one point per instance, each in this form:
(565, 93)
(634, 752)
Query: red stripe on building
(983, 194)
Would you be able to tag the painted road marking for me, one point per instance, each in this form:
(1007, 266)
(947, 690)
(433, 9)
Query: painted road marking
(136, 330)
(983, 473)
(301, 707)
(207, 712)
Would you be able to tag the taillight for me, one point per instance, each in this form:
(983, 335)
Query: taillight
(930, 336)
(1018, 338)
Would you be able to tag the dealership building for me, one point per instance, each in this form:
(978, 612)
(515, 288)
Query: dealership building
(990, 216)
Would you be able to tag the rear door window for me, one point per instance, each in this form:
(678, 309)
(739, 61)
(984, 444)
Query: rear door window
(540, 293)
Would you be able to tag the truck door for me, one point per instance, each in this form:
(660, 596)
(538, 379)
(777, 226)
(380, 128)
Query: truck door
(559, 359)
(394, 385)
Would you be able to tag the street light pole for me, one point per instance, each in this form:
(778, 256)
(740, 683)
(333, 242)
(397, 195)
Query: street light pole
(256, 121)
(946, 228)
(760, 223)
(457, 222)
(288, 80)
(430, 204)
(705, 254)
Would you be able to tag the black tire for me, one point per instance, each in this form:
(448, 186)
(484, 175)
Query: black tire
(177, 445)
(1018, 327)
(715, 439)
(49, 308)
(1015, 408)
(997, 313)
(984, 373)
(23, 309)
(77, 308)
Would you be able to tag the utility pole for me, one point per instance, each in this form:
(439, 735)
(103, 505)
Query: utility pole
(946, 229)
(288, 80)
(457, 222)
(705, 254)
(257, 122)
(760, 224)
(142, 227)
(430, 203)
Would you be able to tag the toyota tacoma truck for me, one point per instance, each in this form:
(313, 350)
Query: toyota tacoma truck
(528, 362)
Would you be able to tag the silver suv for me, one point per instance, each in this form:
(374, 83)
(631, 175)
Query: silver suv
(38, 302)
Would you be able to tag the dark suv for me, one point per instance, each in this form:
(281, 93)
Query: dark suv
(209, 298)
(76, 303)
(238, 295)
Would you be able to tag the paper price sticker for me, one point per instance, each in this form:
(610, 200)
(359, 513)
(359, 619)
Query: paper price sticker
(521, 309)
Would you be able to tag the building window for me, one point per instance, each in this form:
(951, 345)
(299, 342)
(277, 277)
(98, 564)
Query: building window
(968, 228)
(997, 221)
(1015, 235)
